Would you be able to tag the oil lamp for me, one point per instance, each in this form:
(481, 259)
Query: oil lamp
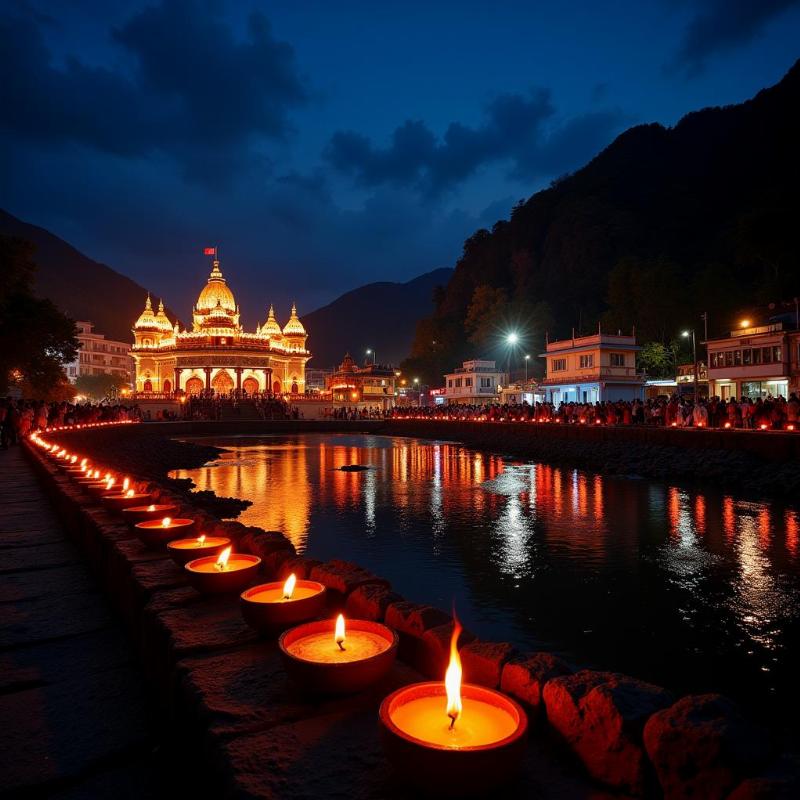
(273, 607)
(156, 533)
(227, 572)
(727, 425)
(331, 657)
(451, 738)
(183, 551)
(134, 514)
(126, 499)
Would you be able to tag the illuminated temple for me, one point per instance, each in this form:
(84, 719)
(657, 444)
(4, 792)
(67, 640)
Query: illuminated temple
(217, 354)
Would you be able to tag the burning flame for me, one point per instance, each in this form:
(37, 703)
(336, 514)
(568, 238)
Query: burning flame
(222, 561)
(200, 540)
(452, 678)
(109, 483)
(125, 484)
(151, 508)
(166, 522)
(74, 458)
(339, 633)
(288, 590)
(83, 463)
(129, 493)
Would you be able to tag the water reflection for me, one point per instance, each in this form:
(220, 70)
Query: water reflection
(698, 591)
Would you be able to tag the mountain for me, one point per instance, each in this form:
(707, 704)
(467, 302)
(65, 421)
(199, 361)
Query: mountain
(379, 316)
(661, 226)
(82, 288)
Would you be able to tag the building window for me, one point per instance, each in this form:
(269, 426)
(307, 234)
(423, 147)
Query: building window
(617, 359)
(449, 383)
(756, 355)
(766, 355)
(486, 383)
(458, 383)
(737, 358)
(747, 357)
(586, 362)
(777, 354)
(729, 358)
(558, 364)
(467, 381)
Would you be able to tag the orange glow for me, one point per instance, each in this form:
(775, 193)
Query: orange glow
(151, 508)
(288, 589)
(166, 522)
(452, 678)
(201, 540)
(727, 425)
(790, 427)
(129, 493)
(763, 426)
(126, 484)
(339, 632)
(222, 561)
(745, 323)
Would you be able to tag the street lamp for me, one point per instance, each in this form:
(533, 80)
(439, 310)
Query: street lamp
(371, 352)
(419, 396)
(686, 335)
(527, 359)
(511, 339)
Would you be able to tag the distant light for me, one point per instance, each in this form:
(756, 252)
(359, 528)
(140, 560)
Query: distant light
(685, 333)
(527, 357)
(369, 351)
(513, 338)
(416, 380)
(745, 323)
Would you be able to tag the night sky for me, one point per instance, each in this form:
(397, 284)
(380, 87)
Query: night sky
(324, 145)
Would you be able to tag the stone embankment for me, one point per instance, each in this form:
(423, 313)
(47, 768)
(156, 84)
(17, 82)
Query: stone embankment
(226, 690)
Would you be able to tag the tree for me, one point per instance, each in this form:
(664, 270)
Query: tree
(485, 315)
(36, 339)
(99, 387)
(658, 360)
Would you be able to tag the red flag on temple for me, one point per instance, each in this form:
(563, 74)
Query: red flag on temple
(210, 251)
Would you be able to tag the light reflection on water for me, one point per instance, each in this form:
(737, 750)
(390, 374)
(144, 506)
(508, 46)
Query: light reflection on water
(697, 591)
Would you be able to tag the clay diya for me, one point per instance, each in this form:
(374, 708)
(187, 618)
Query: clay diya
(119, 502)
(156, 533)
(227, 572)
(183, 551)
(134, 514)
(328, 657)
(273, 607)
(450, 738)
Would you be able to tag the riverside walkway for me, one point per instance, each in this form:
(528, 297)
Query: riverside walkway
(74, 717)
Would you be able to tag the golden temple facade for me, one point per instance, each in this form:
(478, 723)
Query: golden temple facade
(217, 355)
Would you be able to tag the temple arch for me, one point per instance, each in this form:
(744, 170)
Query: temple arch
(167, 386)
(194, 386)
(147, 386)
(222, 382)
(250, 385)
(276, 387)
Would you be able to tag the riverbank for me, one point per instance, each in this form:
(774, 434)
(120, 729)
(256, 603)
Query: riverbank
(263, 740)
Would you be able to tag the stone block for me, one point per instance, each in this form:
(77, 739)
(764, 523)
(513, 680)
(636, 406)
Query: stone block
(525, 677)
(341, 578)
(483, 662)
(434, 655)
(301, 567)
(601, 716)
(370, 602)
(703, 747)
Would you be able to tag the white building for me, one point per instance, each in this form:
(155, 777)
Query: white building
(474, 382)
(99, 356)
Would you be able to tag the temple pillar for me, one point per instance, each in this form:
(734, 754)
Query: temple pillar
(268, 379)
(207, 370)
(238, 381)
(177, 385)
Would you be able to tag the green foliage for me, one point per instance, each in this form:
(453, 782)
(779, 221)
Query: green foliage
(657, 359)
(99, 387)
(486, 314)
(36, 339)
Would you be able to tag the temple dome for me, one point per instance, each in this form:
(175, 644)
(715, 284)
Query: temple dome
(147, 319)
(162, 320)
(294, 327)
(271, 326)
(216, 293)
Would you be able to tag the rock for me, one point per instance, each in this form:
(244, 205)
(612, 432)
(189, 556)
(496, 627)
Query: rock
(601, 716)
(301, 567)
(414, 618)
(766, 789)
(702, 747)
(483, 662)
(435, 653)
(525, 677)
(342, 577)
(370, 602)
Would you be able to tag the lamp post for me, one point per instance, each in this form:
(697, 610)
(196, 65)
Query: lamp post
(371, 352)
(527, 359)
(511, 340)
(686, 335)
(419, 396)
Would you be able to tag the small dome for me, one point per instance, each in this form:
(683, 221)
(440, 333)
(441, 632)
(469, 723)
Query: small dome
(147, 319)
(294, 327)
(216, 292)
(162, 320)
(271, 326)
(347, 365)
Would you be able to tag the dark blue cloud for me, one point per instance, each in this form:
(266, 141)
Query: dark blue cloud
(722, 25)
(184, 86)
(519, 129)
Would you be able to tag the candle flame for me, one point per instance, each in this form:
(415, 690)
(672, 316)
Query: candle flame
(452, 678)
(96, 473)
(151, 507)
(110, 482)
(73, 458)
(200, 540)
(339, 634)
(129, 493)
(165, 523)
(288, 588)
(83, 463)
(125, 484)
(222, 561)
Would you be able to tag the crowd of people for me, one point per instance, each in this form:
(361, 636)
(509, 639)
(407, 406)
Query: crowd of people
(18, 418)
(215, 406)
(773, 413)
(354, 412)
